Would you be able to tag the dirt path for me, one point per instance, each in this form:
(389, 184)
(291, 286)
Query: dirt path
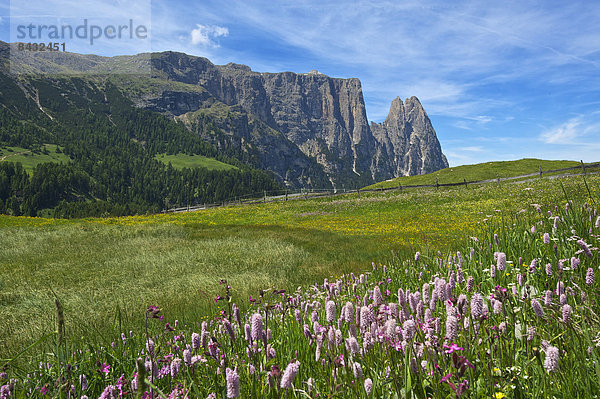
(11, 155)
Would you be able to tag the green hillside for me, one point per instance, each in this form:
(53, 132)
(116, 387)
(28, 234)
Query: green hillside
(180, 161)
(30, 159)
(108, 148)
(482, 171)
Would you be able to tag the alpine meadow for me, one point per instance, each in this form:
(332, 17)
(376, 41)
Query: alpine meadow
(485, 291)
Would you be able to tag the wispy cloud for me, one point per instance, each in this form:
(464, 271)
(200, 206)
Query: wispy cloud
(574, 132)
(566, 133)
(473, 149)
(205, 35)
(474, 122)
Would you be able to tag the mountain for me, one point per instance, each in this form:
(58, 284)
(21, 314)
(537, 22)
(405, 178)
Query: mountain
(106, 150)
(309, 129)
(325, 118)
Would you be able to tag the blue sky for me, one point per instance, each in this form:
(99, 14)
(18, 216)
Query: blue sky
(499, 80)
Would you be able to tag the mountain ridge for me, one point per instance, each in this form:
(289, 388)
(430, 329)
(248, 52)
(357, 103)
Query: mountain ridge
(324, 140)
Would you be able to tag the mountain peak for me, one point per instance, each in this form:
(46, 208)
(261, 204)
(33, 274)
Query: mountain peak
(409, 144)
(396, 112)
(413, 103)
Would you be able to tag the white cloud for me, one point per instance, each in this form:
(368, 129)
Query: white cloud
(472, 149)
(205, 34)
(573, 131)
(482, 119)
(472, 122)
(565, 133)
(435, 90)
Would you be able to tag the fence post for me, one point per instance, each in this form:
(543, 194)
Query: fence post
(465, 180)
(437, 185)
(583, 166)
(286, 192)
(498, 178)
(264, 195)
(540, 170)
(358, 192)
(400, 187)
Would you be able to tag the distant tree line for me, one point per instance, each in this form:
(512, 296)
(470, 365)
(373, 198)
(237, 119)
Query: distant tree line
(112, 146)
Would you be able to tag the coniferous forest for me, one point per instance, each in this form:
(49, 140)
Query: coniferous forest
(112, 146)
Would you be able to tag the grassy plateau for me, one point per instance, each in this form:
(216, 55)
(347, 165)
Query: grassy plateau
(180, 161)
(30, 160)
(318, 298)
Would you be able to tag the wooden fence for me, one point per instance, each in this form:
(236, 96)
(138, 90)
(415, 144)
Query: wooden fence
(285, 195)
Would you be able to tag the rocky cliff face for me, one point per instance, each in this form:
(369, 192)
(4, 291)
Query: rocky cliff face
(311, 130)
(407, 142)
(325, 118)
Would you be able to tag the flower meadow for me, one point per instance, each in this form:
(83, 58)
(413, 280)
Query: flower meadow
(512, 313)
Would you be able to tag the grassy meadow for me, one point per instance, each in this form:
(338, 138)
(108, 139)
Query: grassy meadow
(30, 160)
(180, 161)
(106, 272)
